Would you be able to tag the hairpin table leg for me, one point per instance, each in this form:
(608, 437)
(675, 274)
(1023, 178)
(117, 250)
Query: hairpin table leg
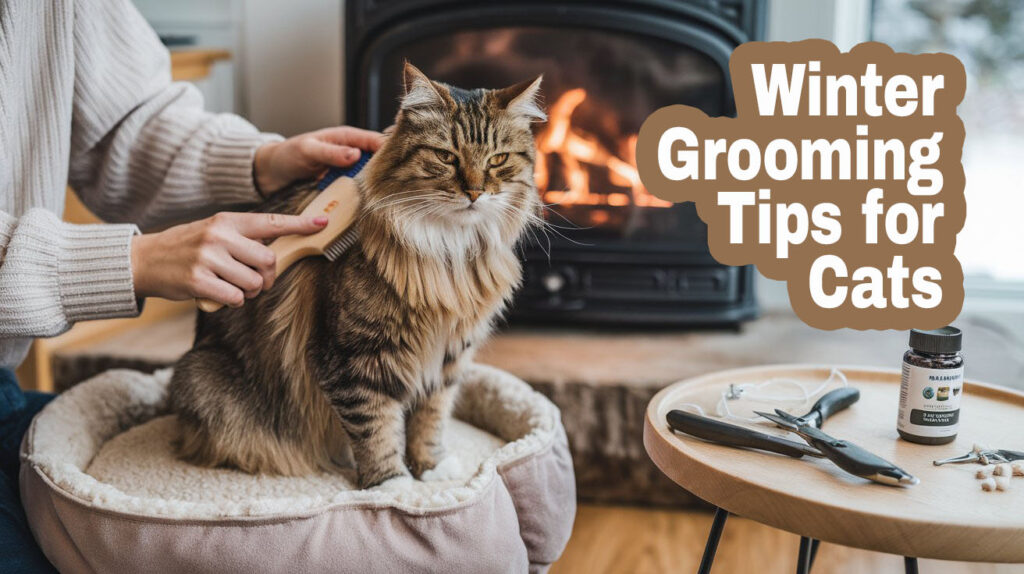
(910, 565)
(805, 558)
(814, 552)
(713, 537)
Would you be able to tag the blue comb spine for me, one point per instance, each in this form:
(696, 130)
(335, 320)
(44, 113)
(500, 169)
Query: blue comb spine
(350, 171)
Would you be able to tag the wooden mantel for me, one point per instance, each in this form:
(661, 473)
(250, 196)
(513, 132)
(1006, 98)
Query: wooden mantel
(191, 65)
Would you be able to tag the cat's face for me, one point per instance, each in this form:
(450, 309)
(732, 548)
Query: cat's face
(459, 161)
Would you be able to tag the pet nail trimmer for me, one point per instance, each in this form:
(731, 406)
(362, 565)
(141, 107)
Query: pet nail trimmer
(846, 455)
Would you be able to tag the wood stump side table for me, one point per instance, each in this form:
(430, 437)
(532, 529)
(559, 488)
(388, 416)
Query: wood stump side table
(947, 516)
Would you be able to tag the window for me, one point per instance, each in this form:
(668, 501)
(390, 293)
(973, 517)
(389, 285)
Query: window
(986, 35)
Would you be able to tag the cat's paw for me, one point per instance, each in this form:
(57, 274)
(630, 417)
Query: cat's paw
(398, 483)
(367, 482)
(423, 462)
(418, 468)
(449, 468)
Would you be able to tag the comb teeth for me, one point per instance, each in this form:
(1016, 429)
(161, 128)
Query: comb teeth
(348, 238)
(341, 244)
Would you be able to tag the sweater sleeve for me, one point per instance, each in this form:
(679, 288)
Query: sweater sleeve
(53, 273)
(143, 149)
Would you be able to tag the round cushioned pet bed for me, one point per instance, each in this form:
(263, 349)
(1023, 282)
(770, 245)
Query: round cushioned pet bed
(104, 493)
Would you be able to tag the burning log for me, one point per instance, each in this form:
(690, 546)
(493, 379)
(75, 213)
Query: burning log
(576, 149)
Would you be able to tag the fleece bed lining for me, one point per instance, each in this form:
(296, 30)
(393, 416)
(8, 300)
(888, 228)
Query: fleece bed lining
(108, 444)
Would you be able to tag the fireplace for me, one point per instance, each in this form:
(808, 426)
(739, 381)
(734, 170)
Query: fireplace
(614, 253)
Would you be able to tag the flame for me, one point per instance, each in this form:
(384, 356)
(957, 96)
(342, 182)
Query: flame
(576, 149)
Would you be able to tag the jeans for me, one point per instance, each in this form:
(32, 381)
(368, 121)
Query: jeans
(19, 552)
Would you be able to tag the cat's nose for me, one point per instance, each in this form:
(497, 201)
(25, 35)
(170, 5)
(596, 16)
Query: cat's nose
(472, 179)
(472, 194)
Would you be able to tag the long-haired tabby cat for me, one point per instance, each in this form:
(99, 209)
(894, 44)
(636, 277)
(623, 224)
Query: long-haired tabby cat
(371, 346)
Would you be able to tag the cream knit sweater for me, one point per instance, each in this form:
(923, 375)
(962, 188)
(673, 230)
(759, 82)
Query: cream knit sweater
(86, 100)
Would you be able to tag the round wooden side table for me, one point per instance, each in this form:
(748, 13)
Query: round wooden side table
(947, 516)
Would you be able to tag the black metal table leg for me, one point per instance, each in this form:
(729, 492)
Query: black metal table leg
(805, 560)
(713, 537)
(808, 551)
(803, 557)
(814, 553)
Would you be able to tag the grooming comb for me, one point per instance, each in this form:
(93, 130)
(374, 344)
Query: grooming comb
(338, 197)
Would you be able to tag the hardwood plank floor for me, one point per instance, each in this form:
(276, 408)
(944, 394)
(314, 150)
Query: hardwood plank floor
(614, 540)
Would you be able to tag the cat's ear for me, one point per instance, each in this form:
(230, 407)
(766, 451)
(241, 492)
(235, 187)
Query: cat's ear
(522, 99)
(420, 92)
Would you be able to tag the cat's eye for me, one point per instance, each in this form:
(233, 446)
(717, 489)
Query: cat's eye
(445, 155)
(497, 159)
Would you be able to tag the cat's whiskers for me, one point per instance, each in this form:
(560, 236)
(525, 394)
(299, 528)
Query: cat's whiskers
(400, 205)
(420, 211)
(392, 202)
(572, 224)
(402, 196)
(547, 209)
(548, 228)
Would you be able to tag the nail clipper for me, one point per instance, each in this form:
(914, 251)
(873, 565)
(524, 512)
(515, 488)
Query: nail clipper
(983, 456)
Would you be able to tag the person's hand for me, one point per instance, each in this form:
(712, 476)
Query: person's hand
(277, 164)
(218, 258)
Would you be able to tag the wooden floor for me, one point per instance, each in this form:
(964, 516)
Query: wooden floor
(619, 540)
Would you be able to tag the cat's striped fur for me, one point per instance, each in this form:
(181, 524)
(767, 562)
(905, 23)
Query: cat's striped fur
(371, 346)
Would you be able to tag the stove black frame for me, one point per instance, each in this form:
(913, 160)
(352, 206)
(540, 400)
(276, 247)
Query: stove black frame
(656, 284)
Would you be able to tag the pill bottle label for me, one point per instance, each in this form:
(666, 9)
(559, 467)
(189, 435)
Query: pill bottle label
(930, 401)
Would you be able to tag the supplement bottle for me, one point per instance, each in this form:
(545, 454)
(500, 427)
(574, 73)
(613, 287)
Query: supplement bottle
(931, 387)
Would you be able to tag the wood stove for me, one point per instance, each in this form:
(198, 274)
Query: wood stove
(615, 253)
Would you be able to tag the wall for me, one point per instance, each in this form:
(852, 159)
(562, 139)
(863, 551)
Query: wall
(286, 71)
(212, 24)
(292, 64)
(844, 22)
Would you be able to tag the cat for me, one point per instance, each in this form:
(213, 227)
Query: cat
(360, 358)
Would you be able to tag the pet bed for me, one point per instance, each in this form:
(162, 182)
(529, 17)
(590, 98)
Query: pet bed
(104, 493)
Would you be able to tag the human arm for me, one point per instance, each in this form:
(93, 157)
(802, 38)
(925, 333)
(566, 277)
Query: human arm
(220, 258)
(143, 149)
(53, 273)
(276, 164)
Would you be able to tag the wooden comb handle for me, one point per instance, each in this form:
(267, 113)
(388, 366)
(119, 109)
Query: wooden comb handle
(341, 201)
(208, 305)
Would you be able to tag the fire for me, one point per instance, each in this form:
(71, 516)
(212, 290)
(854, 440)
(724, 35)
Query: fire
(577, 149)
